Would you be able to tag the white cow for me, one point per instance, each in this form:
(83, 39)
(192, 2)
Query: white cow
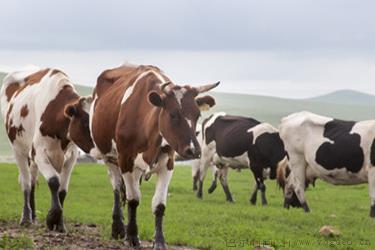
(336, 151)
(33, 104)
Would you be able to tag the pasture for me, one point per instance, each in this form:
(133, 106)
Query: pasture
(210, 223)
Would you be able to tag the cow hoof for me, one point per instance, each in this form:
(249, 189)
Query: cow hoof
(212, 188)
(61, 228)
(118, 230)
(372, 211)
(253, 202)
(132, 241)
(25, 222)
(230, 200)
(199, 195)
(305, 207)
(286, 204)
(53, 218)
(160, 246)
(264, 203)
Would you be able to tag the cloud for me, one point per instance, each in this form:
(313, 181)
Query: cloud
(188, 25)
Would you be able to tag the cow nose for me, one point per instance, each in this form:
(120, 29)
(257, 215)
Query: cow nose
(191, 152)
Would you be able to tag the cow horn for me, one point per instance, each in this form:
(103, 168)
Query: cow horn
(207, 87)
(164, 85)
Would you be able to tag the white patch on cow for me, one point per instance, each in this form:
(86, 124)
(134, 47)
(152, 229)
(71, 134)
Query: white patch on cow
(261, 129)
(163, 141)
(179, 94)
(237, 162)
(129, 90)
(131, 180)
(212, 119)
(163, 179)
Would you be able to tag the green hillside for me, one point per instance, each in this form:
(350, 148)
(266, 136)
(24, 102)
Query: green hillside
(272, 109)
(346, 97)
(346, 104)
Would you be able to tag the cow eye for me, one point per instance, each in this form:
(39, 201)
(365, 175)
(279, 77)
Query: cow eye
(173, 115)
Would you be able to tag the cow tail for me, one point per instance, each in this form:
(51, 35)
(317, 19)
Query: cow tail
(282, 172)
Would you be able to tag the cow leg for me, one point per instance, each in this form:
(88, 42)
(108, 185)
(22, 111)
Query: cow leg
(159, 201)
(66, 171)
(202, 174)
(214, 179)
(295, 188)
(262, 189)
(34, 178)
(195, 173)
(257, 170)
(133, 195)
(371, 186)
(253, 198)
(224, 183)
(46, 167)
(25, 181)
(118, 226)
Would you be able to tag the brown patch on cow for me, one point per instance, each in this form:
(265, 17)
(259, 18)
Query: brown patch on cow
(24, 111)
(7, 117)
(14, 131)
(11, 89)
(36, 77)
(32, 79)
(56, 71)
(54, 122)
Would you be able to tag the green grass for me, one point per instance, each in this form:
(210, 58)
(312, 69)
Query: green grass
(211, 223)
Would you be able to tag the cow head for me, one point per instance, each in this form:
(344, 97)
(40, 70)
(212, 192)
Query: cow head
(180, 110)
(79, 129)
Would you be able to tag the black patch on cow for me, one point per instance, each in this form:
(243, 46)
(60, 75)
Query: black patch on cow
(345, 152)
(268, 150)
(372, 153)
(230, 134)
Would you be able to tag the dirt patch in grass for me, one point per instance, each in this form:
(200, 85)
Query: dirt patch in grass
(80, 236)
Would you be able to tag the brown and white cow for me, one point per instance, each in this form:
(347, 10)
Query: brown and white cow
(33, 103)
(138, 119)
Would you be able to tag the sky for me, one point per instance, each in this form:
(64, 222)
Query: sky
(287, 48)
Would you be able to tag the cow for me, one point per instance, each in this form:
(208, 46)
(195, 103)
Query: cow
(240, 142)
(138, 119)
(336, 151)
(42, 137)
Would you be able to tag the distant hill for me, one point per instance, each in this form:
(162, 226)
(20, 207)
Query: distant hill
(345, 104)
(346, 97)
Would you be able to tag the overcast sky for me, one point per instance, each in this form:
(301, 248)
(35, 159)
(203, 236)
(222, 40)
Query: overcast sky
(283, 48)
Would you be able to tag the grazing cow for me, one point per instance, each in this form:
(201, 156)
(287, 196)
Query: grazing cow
(33, 106)
(238, 142)
(138, 119)
(338, 152)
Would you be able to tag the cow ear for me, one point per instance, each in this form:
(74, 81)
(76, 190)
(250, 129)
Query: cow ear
(70, 110)
(205, 102)
(86, 103)
(155, 99)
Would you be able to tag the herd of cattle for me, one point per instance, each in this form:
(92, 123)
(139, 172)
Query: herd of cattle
(135, 121)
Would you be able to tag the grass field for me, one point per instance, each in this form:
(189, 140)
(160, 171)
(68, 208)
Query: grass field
(210, 223)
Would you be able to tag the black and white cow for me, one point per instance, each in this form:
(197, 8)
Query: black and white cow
(238, 142)
(336, 151)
